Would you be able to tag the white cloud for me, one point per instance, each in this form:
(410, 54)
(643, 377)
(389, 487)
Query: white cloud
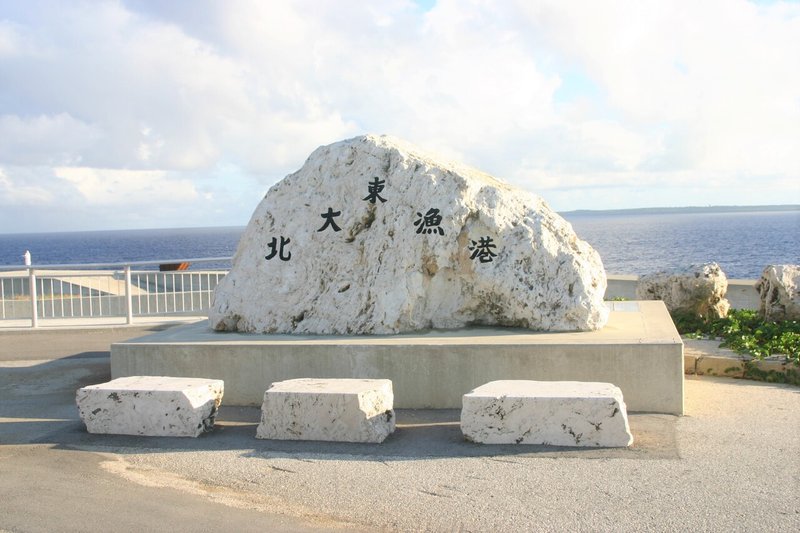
(720, 74)
(12, 193)
(45, 139)
(134, 188)
(145, 98)
(9, 39)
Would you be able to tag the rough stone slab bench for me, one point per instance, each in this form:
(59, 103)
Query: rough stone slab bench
(558, 413)
(344, 410)
(157, 406)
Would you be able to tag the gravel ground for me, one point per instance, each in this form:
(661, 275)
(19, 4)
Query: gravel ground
(732, 463)
(702, 347)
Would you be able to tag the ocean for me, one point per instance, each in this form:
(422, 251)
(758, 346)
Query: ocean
(122, 245)
(743, 243)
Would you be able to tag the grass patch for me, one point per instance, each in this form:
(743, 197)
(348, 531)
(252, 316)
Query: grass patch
(791, 375)
(745, 332)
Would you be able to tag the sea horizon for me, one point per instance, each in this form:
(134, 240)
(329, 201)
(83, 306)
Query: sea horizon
(688, 210)
(743, 240)
(574, 212)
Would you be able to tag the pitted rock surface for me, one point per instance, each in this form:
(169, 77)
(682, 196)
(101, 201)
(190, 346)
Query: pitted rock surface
(342, 410)
(556, 413)
(372, 236)
(779, 291)
(156, 406)
(697, 289)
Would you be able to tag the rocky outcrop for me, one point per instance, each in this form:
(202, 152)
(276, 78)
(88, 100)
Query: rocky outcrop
(372, 236)
(779, 290)
(697, 290)
(554, 413)
(156, 406)
(339, 410)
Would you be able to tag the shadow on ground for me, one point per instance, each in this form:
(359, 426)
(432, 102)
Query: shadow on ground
(38, 407)
(420, 434)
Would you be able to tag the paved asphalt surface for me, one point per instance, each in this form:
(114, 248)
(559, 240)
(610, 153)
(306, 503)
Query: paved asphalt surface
(731, 464)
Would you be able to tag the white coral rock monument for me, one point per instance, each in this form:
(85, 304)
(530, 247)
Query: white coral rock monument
(372, 236)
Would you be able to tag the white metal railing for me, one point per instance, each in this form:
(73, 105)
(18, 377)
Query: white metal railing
(105, 290)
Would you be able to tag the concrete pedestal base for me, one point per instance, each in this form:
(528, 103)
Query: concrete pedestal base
(639, 350)
(557, 413)
(155, 406)
(341, 410)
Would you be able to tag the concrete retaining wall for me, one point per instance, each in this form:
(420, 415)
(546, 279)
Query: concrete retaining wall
(639, 351)
(741, 294)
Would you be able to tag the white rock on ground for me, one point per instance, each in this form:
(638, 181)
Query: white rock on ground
(371, 236)
(557, 413)
(345, 410)
(697, 289)
(151, 405)
(779, 290)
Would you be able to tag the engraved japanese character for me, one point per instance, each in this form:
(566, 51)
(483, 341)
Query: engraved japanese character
(278, 250)
(328, 216)
(374, 188)
(482, 250)
(429, 223)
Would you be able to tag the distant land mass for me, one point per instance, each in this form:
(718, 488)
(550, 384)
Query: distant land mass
(687, 210)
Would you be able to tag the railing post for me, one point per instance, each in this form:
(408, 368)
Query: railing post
(34, 310)
(128, 296)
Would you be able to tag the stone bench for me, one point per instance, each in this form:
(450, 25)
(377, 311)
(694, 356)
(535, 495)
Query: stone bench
(558, 413)
(156, 406)
(345, 410)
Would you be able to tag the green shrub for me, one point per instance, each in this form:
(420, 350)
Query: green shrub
(745, 332)
(791, 375)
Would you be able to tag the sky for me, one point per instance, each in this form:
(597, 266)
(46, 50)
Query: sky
(151, 114)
